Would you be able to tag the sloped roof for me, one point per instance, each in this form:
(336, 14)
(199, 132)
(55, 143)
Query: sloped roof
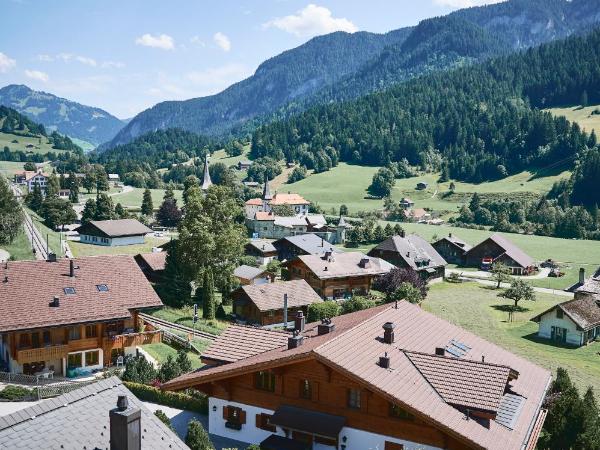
(155, 260)
(309, 243)
(116, 228)
(32, 285)
(268, 297)
(206, 181)
(455, 240)
(510, 250)
(289, 222)
(262, 245)
(239, 342)
(80, 419)
(288, 199)
(355, 346)
(254, 201)
(345, 264)
(584, 311)
(591, 285)
(247, 272)
(264, 215)
(414, 250)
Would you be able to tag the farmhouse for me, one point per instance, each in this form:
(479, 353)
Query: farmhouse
(152, 264)
(261, 249)
(576, 322)
(303, 244)
(417, 215)
(31, 178)
(411, 252)
(390, 377)
(338, 275)
(244, 164)
(452, 248)
(265, 304)
(113, 232)
(71, 317)
(251, 275)
(497, 248)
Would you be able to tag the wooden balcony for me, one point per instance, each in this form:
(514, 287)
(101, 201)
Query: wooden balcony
(42, 354)
(132, 339)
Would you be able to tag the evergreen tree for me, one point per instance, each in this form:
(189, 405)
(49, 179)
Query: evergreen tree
(89, 181)
(89, 211)
(209, 307)
(36, 198)
(147, 206)
(101, 179)
(174, 287)
(183, 361)
(11, 215)
(120, 212)
(388, 231)
(343, 210)
(197, 438)
(53, 186)
(105, 209)
(169, 192)
(169, 369)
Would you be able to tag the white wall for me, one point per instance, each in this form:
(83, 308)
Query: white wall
(126, 240)
(364, 440)
(549, 320)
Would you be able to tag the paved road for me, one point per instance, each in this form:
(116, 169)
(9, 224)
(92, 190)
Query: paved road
(506, 285)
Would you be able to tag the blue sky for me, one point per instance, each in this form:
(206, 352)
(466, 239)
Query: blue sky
(125, 56)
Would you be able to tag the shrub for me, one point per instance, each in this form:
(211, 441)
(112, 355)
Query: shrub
(183, 361)
(138, 370)
(197, 438)
(356, 303)
(164, 419)
(169, 369)
(392, 280)
(197, 403)
(318, 311)
(16, 393)
(453, 277)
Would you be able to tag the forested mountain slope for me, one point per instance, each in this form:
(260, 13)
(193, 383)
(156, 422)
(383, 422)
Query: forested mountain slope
(343, 66)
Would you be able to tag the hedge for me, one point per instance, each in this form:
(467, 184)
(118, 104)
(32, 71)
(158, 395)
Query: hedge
(197, 403)
(16, 394)
(324, 310)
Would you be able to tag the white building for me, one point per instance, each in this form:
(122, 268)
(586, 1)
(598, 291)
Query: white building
(265, 204)
(113, 232)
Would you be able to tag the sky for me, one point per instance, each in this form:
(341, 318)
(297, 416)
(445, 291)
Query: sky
(125, 56)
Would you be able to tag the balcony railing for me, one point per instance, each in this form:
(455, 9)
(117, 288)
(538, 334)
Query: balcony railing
(133, 339)
(42, 354)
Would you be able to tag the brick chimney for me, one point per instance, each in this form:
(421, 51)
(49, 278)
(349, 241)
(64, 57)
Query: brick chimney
(388, 332)
(125, 426)
(325, 327)
(299, 321)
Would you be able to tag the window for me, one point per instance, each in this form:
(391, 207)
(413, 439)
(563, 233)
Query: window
(24, 340)
(262, 422)
(354, 398)
(399, 413)
(35, 340)
(47, 338)
(74, 333)
(92, 358)
(393, 446)
(265, 381)
(74, 360)
(102, 287)
(91, 331)
(234, 417)
(305, 389)
(559, 313)
(69, 290)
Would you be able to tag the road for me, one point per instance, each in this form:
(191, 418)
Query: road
(506, 285)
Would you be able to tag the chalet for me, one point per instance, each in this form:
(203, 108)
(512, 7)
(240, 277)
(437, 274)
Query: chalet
(114, 178)
(452, 248)
(268, 201)
(266, 304)
(411, 252)
(31, 178)
(251, 275)
(418, 215)
(244, 164)
(74, 316)
(338, 275)
(302, 244)
(497, 248)
(152, 264)
(261, 249)
(113, 232)
(575, 322)
(390, 377)
(103, 414)
(421, 186)
(406, 203)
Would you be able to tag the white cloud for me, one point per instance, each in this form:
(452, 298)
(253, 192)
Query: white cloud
(6, 63)
(162, 41)
(465, 3)
(198, 41)
(37, 75)
(45, 58)
(311, 21)
(222, 41)
(87, 61)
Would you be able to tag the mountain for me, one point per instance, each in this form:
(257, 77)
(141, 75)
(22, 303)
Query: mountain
(342, 66)
(87, 123)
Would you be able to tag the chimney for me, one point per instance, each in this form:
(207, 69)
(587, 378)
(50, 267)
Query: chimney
(299, 321)
(71, 268)
(296, 340)
(449, 235)
(285, 310)
(322, 242)
(51, 257)
(384, 361)
(440, 351)
(125, 426)
(408, 254)
(328, 254)
(402, 234)
(55, 303)
(325, 327)
(388, 332)
(482, 358)
(581, 275)
(364, 263)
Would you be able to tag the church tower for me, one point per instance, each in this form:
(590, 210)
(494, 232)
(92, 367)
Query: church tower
(206, 181)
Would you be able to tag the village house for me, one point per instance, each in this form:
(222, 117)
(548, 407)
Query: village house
(417, 215)
(251, 275)
(72, 317)
(392, 377)
(152, 264)
(266, 304)
(302, 244)
(452, 248)
(261, 249)
(338, 275)
(406, 203)
(114, 178)
(411, 252)
(265, 204)
(244, 164)
(104, 414)
(31, 178)
(113, 233)
(497, 248)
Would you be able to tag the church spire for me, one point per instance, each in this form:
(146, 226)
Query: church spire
(267, 190)
(206, 182)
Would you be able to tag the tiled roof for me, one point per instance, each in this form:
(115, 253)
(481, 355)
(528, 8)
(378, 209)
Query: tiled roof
(591, 285)
(32, 285)
(510, 249)
(239, 342)
(268, 297)
(355, 346)
(414, 250)
(345, 264)
(264, 215)
(288, 199)
(155, 260)
(254, 201)
(262, 245)
(309, 243)
(417, 213)
(116, 228)
(584, 311)
(247, 272)
(80, 419)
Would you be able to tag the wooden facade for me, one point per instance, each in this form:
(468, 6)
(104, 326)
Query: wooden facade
(314, 386)
(244, 308)
(492, 250)
(451, 252)
(393, 257)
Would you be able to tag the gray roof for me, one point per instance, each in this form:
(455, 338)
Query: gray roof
(118, 227)
(262, 245)
(79, 419)
(591, 285)
(290, 222)
(584, 311)
(247, 272)
(345, 264)
(456, 241)
(269, 297)
(310, 243)
(414, 250)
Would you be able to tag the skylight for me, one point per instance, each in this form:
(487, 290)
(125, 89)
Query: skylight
(69, 290)
(102, 287)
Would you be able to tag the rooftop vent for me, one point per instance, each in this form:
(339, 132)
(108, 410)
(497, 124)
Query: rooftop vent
(299, 321)
(388, 332)
(296, 340)
(440, 351)
(364, 263)
(384, 361)
(325, 327)
(51, 257)
(55, 303)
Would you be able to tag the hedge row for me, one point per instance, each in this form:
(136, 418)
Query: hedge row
(196, 403)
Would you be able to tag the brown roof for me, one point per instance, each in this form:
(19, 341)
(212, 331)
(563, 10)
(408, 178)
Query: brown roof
(115, 228)
(345, 264)
(239, 342)
(416, 252)
(254, 201)
(268, 297)
(155, 260)
(584, 311)
(32, 285)
(510, 250)
(591, 285)
(355, 345)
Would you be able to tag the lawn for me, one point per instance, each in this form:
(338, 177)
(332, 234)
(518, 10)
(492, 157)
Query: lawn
(9, 168)
(133, 199)
(161, 351)
(476, 308)
(40, 145)
(221, 156)
(82, 249)
(20, 248)
(183, 316)
(583, 116)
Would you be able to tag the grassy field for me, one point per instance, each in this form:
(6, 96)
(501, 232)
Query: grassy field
(134, 198)
(53, 238)
(40, 145)
(9, 168)
(478, 309)
(161, 351)
(583, 116)
(81, 249)
(221, 156)
(183, 316)
(20, 248)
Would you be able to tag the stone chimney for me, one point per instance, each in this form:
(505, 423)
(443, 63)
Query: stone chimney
(388, 332)
(299, 321)
(325, 327)
(125, 426)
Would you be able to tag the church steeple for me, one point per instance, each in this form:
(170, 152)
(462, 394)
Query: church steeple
(267, 190)
(206, 181)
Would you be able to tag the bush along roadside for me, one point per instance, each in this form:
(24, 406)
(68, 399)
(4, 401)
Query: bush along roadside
(196, 403)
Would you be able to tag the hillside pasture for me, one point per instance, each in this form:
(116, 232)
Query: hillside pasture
(133, 199)
(583, 116)
(40, 144)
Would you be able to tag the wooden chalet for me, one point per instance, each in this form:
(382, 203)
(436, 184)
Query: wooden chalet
(390, 377)
(302, 244)
(262, 250)
(452, 248)
(72, 317)
(497, 248)
(338, 275)
(251, 275)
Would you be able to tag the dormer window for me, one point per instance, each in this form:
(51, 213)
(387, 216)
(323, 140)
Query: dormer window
(102, 287)
(69, 290)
